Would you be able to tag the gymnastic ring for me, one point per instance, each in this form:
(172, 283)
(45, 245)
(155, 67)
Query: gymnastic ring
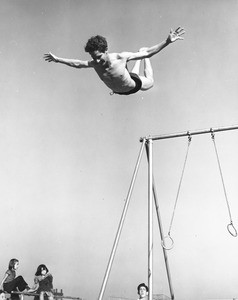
(166, 247)
(233, 232)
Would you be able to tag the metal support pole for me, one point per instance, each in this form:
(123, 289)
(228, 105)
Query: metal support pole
(164, 250)
(161, 234)
(150, 220)
(114, 248)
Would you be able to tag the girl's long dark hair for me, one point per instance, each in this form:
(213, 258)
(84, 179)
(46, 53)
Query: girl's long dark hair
(12, 263)
(40, 268)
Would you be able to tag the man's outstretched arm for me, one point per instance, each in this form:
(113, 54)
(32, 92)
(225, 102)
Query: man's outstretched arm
(75, 63)
(173, 36)
(147, 52)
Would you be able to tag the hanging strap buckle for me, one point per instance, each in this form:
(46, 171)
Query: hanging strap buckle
(212, 133)
(189, 137)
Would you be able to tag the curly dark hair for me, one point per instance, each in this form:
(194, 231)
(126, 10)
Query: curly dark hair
(142, 285)
(40, 268)
(97, 42)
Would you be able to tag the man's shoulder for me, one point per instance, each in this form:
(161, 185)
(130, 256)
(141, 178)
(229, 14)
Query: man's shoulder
(91, 63)
(118, 55)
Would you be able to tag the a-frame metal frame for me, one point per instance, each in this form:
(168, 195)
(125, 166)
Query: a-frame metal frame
(147, 142)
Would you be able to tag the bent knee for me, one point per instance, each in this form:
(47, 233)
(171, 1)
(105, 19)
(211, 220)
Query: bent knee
(147, 84)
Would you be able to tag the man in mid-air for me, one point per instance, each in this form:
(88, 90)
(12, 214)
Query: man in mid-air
(112, 67)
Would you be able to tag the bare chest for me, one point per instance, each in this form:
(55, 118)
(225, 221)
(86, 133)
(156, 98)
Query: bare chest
(111, 69)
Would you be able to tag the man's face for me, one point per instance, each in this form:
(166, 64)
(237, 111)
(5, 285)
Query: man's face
(143, 292)
(98, 56)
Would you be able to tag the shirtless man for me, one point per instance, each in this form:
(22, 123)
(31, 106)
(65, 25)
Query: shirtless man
(112, 67)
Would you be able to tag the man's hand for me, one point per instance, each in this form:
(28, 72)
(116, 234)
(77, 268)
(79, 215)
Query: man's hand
(175, 35)
(50, 57)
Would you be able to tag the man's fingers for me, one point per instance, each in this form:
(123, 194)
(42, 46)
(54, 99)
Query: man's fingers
(48, 57)
(180, 31)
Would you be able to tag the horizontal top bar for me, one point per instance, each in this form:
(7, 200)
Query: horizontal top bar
(188, 133)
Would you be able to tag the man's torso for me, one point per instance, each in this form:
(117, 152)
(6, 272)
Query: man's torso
(114, 74)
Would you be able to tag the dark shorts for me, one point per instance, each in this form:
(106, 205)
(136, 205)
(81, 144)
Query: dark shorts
(138, 82)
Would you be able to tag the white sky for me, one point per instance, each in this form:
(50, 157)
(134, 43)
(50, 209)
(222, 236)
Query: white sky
(68, 148)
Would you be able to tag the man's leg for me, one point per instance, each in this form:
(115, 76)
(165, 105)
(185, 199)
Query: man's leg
(136, 68)
(148, 78)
